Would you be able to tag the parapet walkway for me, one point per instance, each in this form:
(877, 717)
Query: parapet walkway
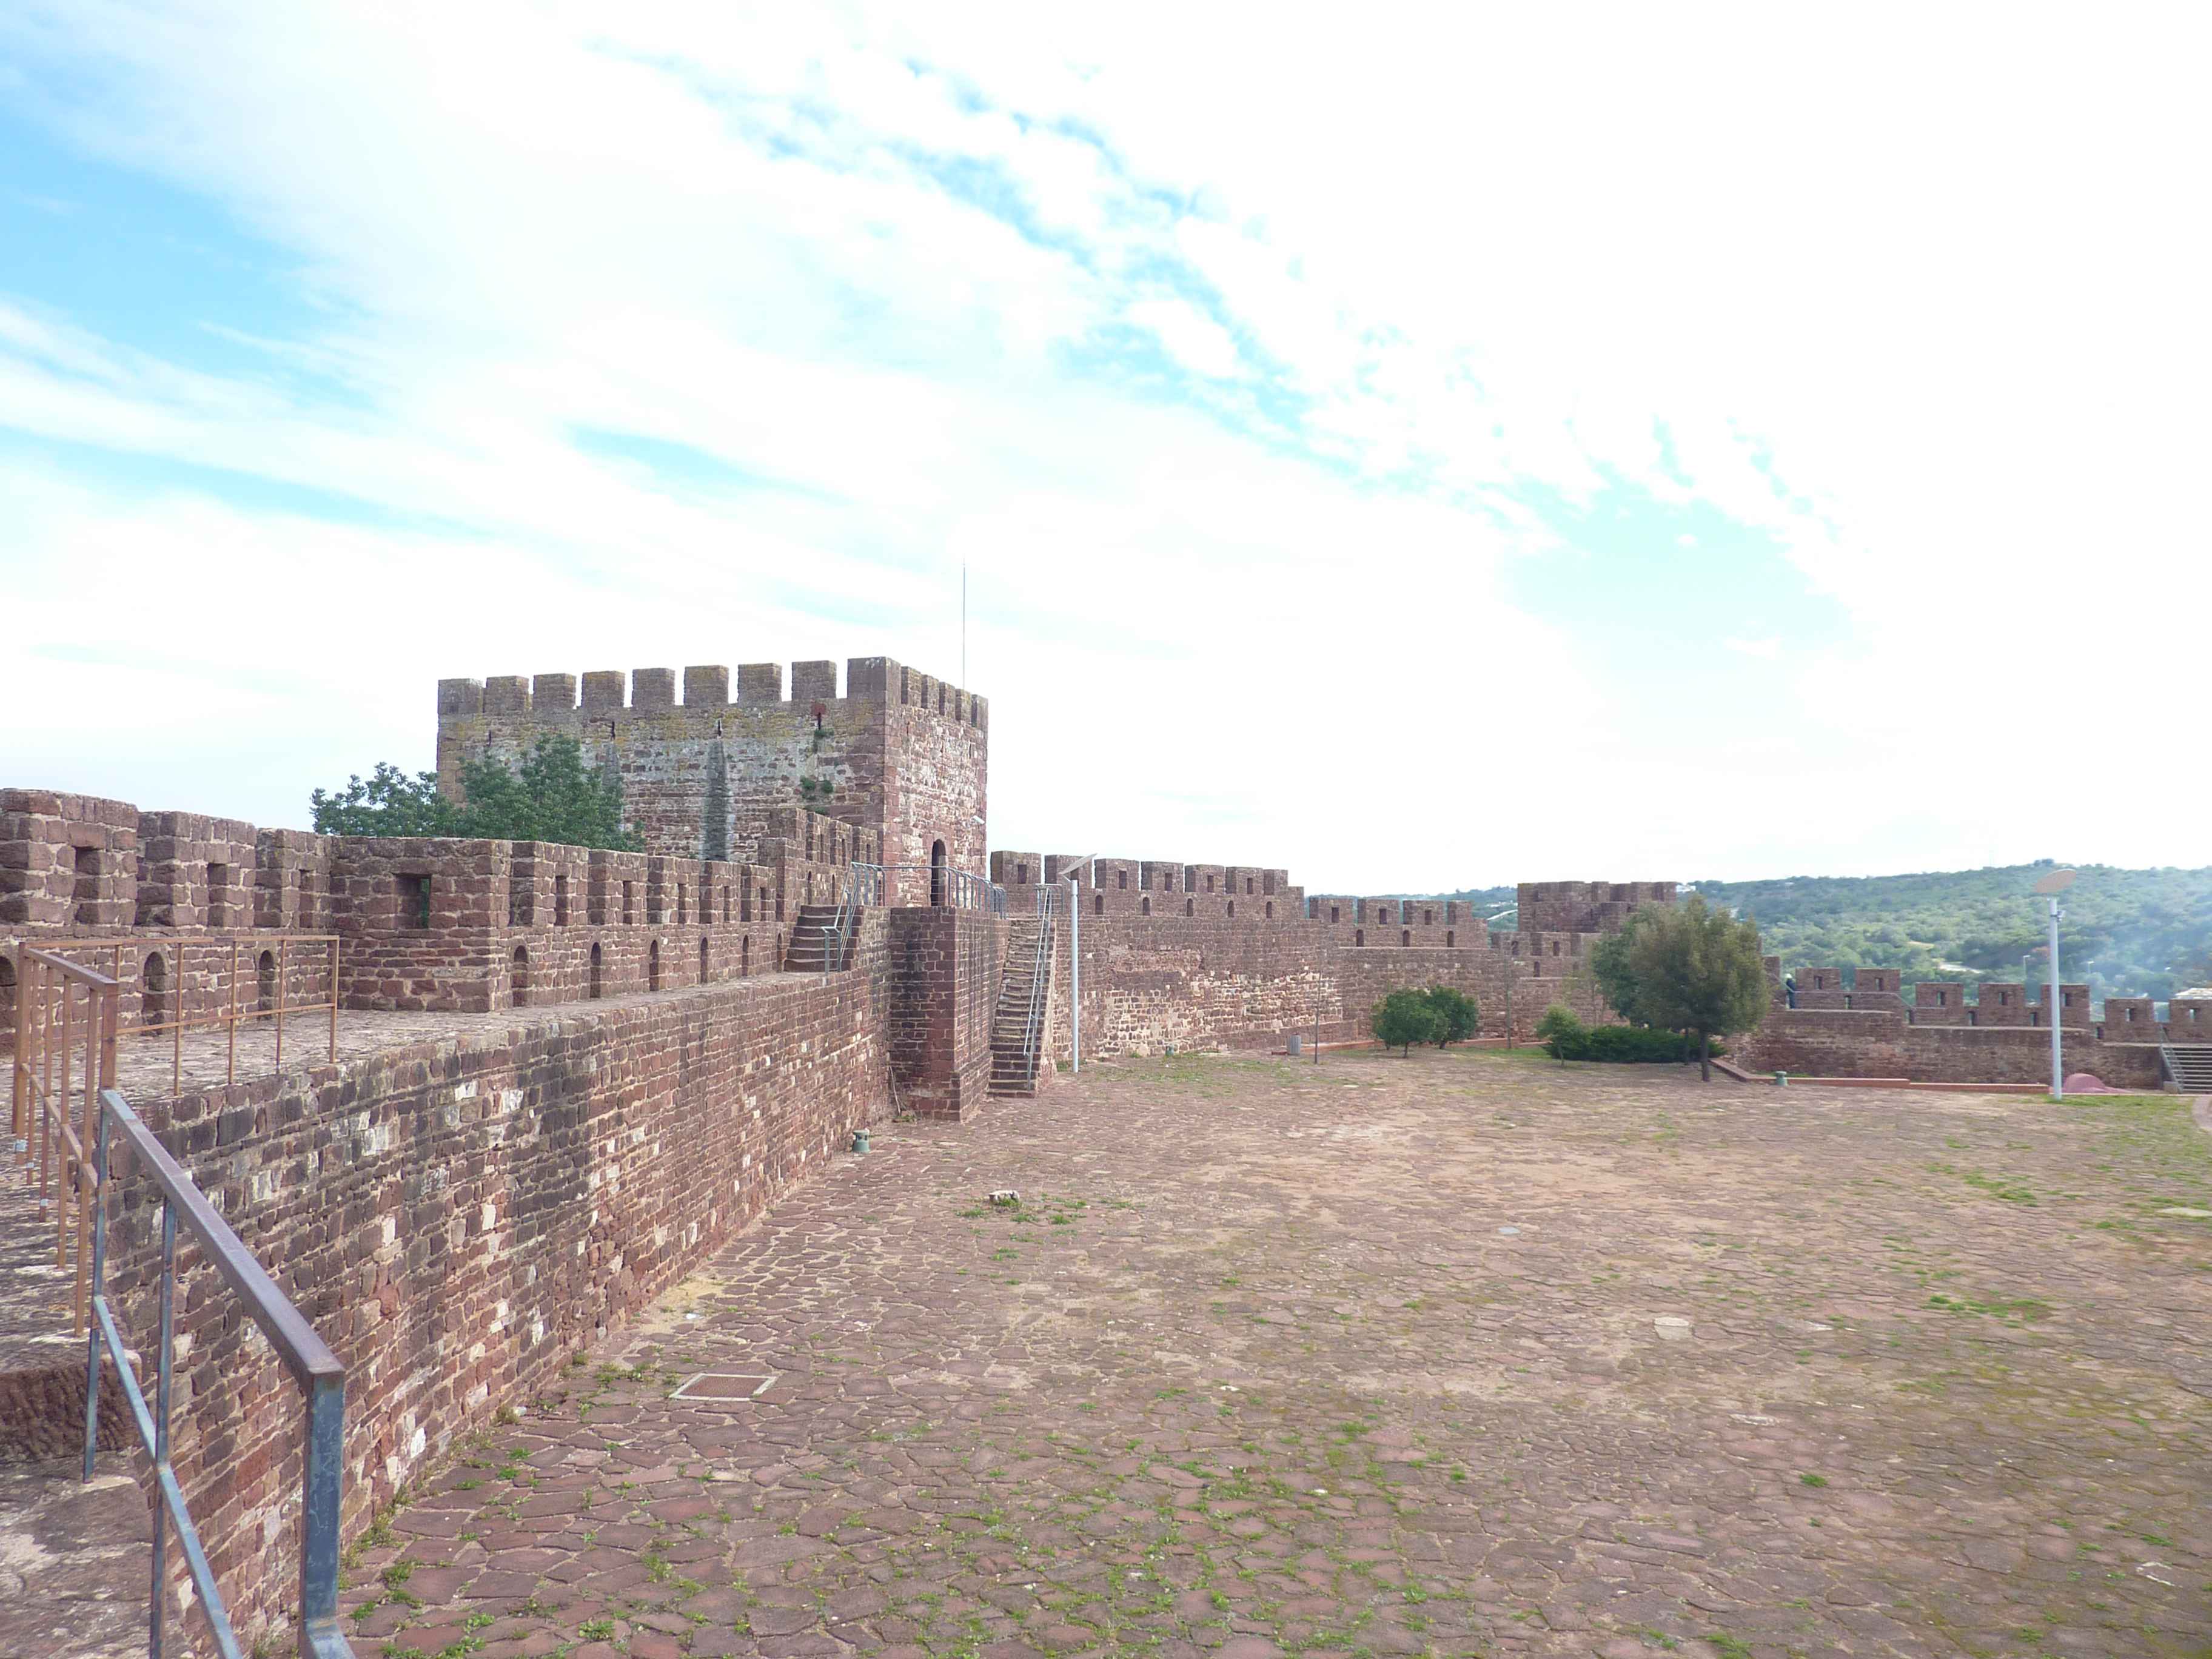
(144, 1066)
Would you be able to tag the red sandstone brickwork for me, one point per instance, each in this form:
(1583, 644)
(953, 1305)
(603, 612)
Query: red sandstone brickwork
(1586, 906)
(180, 887)
(67, 860)
(425, 924)
(944, 966)
(1876, 1042)
(1200, 956)
(511, 924)
(905, 755)
(458, 1218)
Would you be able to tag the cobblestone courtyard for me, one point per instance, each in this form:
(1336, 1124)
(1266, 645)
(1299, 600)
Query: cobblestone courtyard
(1462, 1353)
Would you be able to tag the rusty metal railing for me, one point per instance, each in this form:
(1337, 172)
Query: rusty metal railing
(46, 1028)
(228, 1013)
(68, 1020)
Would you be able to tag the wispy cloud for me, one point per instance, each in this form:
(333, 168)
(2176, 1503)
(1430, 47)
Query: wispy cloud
(1251, 381)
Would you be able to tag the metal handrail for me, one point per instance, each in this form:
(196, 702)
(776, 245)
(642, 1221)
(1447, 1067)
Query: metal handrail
(962, 890)
(848, 900)
(65, 1177)
(320, 1376)
(1031, 1025)
(232, 1015)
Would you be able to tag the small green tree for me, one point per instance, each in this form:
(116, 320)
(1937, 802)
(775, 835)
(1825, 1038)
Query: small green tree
(550, 796)
(388, 803)
(1559, 1030)
(1404, 1018)
(1609, 965)
(1457, 1017)
(1696, 969)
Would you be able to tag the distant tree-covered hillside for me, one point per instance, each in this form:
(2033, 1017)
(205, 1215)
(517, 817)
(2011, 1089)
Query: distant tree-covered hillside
(1486, 900)
(2127, 933)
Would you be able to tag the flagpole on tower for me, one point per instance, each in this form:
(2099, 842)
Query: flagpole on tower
(963, 622)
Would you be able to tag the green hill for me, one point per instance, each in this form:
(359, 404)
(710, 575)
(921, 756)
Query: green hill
(2127, 933)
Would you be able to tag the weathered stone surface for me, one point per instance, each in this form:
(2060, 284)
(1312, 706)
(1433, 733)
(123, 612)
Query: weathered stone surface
(1062, 1428)
(74, 1561)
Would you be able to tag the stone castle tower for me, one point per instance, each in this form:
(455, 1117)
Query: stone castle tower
(900, 753)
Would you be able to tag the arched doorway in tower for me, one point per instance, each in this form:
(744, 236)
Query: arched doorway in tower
(518, 980)
(937, 872)
(265, 985)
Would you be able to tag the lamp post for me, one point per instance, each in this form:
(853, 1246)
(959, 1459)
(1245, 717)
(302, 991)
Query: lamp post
(1075, 958)
(2051, 887)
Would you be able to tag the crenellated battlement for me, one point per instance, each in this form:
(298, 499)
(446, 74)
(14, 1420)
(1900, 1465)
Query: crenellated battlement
(894, 751)
(1586, 906)
(565, 699)
(1988, 1005)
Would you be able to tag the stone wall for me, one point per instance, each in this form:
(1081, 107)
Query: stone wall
(1862, 1027)
(1205, 956)
(424, 924)
(1585, 907)
(901, 755)
(67, 860)
(459, 1218)
(944, 966)
(1880, 1043)
(507, 925)
(176, 899)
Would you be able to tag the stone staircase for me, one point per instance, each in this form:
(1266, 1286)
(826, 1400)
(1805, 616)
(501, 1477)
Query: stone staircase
(812, 947)
(2189, 1065)
(1014, 1044)
(41, 1363)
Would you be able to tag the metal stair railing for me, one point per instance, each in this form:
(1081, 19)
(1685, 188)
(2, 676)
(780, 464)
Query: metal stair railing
(2188, 1066)
(1041, 966)
(47, 1027)
(863, 885)
(320, 1376)
(956, 890)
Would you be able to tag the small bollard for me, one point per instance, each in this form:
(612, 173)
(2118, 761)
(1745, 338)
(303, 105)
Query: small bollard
(860, 1140)
(1782, 1079)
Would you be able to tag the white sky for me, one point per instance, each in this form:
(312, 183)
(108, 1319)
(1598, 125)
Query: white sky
(1421, 446)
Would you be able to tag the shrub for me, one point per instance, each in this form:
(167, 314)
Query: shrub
(1458, 1013)
(1559, 1030)
(1404, 1018)
(1621, 1044)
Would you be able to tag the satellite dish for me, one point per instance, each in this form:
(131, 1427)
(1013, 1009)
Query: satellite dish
(2057, 882)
